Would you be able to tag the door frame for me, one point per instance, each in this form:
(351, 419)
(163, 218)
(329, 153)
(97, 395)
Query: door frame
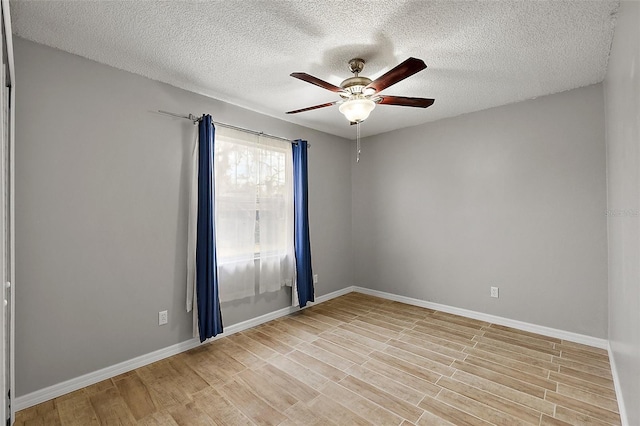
(10, 212)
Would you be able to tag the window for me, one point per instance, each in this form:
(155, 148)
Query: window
(254, 213)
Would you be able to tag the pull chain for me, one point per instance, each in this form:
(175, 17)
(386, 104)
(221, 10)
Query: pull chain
(358, 142)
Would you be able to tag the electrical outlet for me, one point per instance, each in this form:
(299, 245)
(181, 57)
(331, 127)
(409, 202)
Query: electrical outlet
(495, 292)
(163, 317)
(315, 278)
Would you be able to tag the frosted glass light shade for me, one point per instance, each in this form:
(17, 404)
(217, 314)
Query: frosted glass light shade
(357, 109)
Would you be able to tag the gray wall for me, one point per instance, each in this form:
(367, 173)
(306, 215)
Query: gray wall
(512, 197)
(101, 209)
(622, 92)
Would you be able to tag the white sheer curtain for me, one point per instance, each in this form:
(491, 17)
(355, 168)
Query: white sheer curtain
(192, 299)
(235, 214)
(254, 213)
(275, 212)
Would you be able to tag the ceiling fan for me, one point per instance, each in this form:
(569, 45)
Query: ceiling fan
(360, 94)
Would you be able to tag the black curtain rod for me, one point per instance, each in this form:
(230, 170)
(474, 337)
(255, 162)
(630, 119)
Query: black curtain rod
(196, 119)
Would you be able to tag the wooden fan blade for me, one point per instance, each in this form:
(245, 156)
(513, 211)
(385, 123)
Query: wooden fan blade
(404, 101)
(399, 73)
(315, 80)
(312, 107)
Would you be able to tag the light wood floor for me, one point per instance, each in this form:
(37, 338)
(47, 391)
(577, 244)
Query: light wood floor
(356, 360)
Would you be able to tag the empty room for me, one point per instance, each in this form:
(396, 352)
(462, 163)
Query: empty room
(297, 212)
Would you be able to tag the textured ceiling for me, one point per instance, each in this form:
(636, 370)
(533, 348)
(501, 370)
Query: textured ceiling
(479, 54)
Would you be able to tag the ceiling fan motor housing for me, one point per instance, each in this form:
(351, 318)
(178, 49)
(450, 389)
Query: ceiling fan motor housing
(355, 84)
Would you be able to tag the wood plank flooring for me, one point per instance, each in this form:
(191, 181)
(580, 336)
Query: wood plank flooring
(356, 360)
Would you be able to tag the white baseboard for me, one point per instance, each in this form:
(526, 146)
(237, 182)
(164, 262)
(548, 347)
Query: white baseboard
(89, 379)
(616, 384)
(334, 294)
(520, 325)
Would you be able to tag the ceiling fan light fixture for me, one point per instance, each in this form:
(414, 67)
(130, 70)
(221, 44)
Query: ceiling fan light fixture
(357, 110)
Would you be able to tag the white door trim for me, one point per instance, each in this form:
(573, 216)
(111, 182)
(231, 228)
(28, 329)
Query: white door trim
(6, 15)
